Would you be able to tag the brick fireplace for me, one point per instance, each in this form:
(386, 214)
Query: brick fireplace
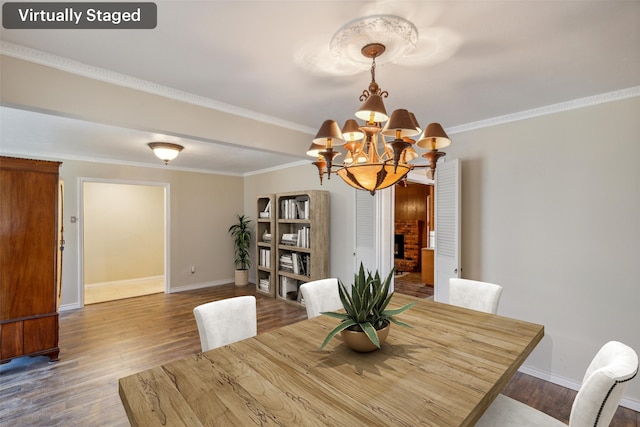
(408, 256)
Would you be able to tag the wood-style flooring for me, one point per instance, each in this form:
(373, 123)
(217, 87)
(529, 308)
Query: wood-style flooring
(103, 342)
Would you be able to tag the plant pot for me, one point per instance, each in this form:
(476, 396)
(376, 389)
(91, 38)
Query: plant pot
(360, 342)
(242, 277)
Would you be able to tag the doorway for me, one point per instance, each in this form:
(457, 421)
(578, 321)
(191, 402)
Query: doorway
(123, 239)
(413, 246)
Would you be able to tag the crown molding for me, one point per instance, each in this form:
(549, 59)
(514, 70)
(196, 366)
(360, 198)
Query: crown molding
(78, 68)
(57, 157)
(63, 64)
(549, 109)
(277, 168)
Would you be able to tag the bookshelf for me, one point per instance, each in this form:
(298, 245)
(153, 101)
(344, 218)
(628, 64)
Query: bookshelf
(266, 278)
(302, 241)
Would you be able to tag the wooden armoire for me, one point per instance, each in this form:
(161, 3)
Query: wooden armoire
(29, 255)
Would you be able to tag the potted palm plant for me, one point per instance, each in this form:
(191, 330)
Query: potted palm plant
(241, 233)
(366, 320)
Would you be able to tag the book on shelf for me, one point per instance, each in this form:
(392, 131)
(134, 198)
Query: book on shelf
(264, 284)
(297, 208)
(266, 213)
(288, 287)
(265, 257)
(301, 264)
(302, 239)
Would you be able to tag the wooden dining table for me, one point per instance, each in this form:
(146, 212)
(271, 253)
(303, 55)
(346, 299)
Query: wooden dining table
(444, 371)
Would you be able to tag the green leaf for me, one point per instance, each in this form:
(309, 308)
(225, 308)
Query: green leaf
(371, 333)
(399, 323)
(395, 311)
(336, 315)
(341, 327)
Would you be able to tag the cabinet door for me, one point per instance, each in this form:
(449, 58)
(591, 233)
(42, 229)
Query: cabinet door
(40, 334)
(10, 340)
(28, 243)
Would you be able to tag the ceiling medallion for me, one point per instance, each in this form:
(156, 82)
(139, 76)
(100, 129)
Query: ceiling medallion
(372, 163)
(398, 35)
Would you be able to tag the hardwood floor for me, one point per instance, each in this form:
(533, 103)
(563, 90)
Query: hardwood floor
(103, 342)
(411, 284)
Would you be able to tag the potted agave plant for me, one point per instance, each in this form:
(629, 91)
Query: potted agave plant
(241, 233)
(366, 320)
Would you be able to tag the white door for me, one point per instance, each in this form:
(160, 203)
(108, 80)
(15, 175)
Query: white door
(374, 231)
(447, 218)
(365, 232)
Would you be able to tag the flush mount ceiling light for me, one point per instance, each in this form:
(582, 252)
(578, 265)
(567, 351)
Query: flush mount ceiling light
(165, 151)
(371, 163)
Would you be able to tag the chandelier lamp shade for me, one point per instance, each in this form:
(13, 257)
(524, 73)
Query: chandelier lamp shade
(378, 152)
(165, 151)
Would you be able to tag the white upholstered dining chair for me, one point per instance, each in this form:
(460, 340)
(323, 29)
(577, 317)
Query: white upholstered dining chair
(476, 295)
(321, 295)
(595, 404)
(226, 321)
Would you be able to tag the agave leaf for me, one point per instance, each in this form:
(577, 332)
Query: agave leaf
(395, 311)
(371, 333)
(345, 298)
(341, 326)
(399, 323)
(336, 315)
(385, 302)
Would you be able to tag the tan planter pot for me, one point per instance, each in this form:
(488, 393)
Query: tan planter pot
(358, 341)
(242, 277)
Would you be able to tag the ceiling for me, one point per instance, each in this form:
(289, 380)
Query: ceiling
(474, 61)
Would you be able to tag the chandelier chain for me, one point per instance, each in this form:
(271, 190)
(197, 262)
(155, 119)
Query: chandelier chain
(373, 89)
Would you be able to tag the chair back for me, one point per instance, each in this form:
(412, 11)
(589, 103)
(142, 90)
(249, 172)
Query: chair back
(480, 296)
(226, 321)
(321, 295)
(604, 385)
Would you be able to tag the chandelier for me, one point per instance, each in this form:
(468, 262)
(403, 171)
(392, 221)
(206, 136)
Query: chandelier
(371, 162)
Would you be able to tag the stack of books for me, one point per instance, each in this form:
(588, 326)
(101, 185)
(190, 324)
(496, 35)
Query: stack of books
(264, 284)
(289, 239)
(286, 263)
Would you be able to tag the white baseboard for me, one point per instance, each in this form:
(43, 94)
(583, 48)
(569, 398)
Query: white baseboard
(201, 285)
(632, 404)
(67, 307)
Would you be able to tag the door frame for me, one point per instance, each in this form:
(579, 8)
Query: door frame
(167, 221)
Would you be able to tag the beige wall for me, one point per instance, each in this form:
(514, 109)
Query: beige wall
(123, 229)
(202, 206)
(551, 211)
